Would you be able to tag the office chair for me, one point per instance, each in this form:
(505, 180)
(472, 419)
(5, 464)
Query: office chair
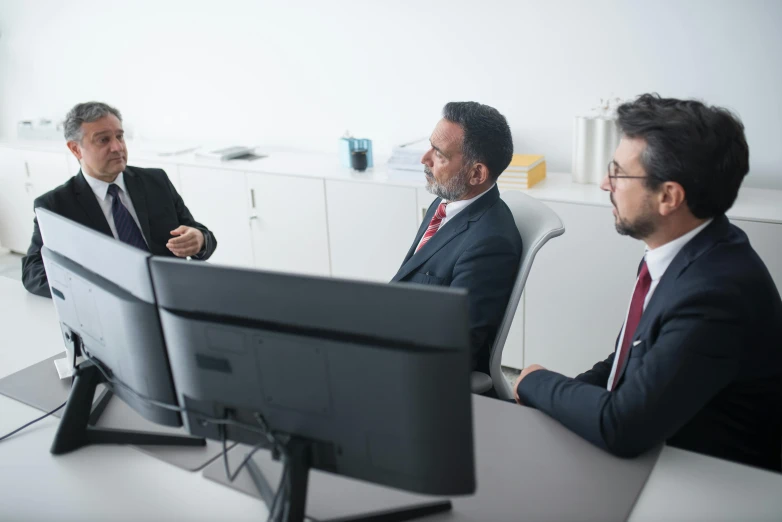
(537, 223)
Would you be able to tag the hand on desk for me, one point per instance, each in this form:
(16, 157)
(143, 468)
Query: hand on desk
(526, 371)
(188, 241)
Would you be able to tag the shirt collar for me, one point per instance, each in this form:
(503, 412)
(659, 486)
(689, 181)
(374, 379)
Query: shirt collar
(454, 207)
(658, 259)
(101, 188)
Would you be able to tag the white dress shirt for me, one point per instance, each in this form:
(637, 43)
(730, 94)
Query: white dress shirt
(657, 262)
(101, 190)
(454, 207)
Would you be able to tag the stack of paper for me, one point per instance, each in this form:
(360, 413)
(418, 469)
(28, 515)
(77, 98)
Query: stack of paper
(524, 171)
(408, 156)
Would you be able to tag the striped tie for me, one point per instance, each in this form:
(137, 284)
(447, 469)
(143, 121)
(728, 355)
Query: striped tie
(434, 225)
(127, 230)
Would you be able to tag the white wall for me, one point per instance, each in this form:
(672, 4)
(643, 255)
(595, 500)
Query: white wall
(293, 73)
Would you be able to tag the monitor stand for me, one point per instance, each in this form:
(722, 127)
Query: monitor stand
(77, 429)
(296, 469)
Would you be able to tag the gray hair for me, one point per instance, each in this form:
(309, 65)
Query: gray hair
(85, 112)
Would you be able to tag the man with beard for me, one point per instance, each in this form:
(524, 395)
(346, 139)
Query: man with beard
(137, 206)
(468, 238)
(698, 361)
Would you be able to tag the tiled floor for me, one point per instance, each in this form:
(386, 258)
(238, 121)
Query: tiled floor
(10, 265)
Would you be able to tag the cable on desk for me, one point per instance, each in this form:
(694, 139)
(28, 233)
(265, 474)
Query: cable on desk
(17, 430)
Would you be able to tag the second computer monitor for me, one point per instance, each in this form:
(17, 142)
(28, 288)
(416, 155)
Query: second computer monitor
(375, 376)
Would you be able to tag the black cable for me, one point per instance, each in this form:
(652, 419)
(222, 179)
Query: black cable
(17, 430)
(281, 503)
(228, 474)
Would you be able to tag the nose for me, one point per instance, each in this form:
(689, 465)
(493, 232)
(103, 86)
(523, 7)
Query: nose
(605, 184)
(426, 159)
(116, 145)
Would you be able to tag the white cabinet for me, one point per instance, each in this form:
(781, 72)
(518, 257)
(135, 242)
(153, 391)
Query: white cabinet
(25, 175)
(47, 170)
(220, 200)
(16, 201)
(371, 228)
(288, 223)
(578, 291)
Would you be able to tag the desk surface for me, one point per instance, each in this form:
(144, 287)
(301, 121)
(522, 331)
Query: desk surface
(119, 483)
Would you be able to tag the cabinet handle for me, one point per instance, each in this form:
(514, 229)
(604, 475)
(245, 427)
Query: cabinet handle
(252, 197)
(27, 169)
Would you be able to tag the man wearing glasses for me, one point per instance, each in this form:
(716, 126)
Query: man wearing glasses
(698, 361)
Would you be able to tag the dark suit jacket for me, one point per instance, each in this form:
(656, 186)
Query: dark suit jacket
(159, 208)
(707, 373)
(480, 250)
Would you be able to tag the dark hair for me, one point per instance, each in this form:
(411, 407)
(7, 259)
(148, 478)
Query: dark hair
(487, 137)
(702, 148)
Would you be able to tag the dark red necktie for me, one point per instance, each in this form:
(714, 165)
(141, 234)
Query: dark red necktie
(633, 318)
(434, 225)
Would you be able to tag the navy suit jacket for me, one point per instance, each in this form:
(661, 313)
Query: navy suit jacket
(479, 249)
(158, 206)
(706, 374)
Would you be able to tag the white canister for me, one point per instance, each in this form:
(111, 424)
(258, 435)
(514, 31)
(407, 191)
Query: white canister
(582, 148)
(594, 141)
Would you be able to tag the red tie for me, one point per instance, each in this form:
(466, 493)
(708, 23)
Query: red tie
(434, 224)
(633, 318)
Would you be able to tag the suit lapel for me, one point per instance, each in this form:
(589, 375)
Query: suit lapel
(139, 199)
(450, 230)
(697, 246)
(89, 203)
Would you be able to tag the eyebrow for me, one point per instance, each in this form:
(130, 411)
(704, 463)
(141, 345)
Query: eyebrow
(618, 166)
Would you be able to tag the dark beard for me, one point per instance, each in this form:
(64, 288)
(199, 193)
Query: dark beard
(642, 227)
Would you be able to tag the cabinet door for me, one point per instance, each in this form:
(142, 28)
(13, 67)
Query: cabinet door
(766, 239)
(578, 291)
(48, 170)
(16, 201)
(288, 224)
(371, 228)
(219, 199)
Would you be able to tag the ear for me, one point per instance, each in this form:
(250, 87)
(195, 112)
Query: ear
(671, 197)
(479, 174)
(75, 149)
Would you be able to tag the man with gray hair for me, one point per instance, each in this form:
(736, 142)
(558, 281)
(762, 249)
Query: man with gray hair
(137, 206)
(468, 238)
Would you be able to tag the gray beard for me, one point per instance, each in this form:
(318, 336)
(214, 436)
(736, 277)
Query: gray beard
(452, 190)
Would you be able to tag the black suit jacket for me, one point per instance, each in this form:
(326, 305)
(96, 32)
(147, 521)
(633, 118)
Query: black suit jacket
(479, 249)
(159, 208)
(706, 372)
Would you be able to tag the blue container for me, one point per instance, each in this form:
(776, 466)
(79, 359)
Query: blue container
(348, 145)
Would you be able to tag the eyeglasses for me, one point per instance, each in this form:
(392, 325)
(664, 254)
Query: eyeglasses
(612, 176)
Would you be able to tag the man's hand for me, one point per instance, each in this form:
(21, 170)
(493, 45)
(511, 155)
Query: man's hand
(526, 371)
(187, 241)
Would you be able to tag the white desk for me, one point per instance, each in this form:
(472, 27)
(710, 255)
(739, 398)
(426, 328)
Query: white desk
(119, 483)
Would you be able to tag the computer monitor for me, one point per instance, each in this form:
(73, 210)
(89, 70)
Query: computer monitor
(103, 296)
(367, 380)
